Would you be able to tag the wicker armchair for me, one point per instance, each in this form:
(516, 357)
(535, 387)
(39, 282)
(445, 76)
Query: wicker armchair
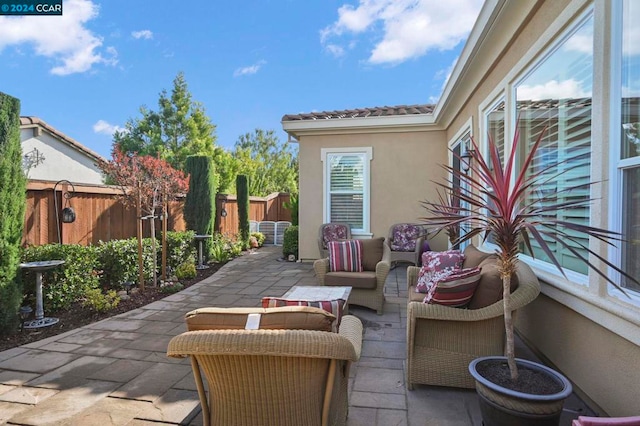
(332, 231)
(267, 377)
(405, 242)
(367, 287)
(442, 340)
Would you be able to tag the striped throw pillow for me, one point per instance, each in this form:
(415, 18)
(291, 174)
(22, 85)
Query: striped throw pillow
(345, 256)
(335, 307)
(456, 289)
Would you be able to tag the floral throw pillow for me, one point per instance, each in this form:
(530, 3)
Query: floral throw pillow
(404, 237)
(333, 232)
(437, 265)
(456, 289)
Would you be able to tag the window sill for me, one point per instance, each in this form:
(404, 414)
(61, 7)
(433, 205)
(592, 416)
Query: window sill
(361, 235)
(615, 314)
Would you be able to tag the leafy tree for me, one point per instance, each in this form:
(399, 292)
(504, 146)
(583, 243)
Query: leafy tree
(178, 129)
(146, 182)
(200, 204)
(227, 169)
(243, 209)
(270, 166)
(12, 207)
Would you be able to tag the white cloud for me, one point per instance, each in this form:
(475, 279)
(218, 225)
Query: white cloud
(251, 69)
(65, 39)
(145, 34)
(105, 128)
(335, 50)
(567, 89)
(410, 28)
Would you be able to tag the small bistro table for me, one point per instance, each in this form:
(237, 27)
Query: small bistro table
(314, 293)
(200, 239)
(39, 268)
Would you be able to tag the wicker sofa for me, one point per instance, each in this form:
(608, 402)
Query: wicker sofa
(442, 340)
(367, 287)
(273, 375)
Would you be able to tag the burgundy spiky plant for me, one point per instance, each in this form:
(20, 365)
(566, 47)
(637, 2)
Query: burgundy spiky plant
(510, 205)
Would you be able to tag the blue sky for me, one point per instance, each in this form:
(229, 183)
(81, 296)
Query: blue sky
(248, 62)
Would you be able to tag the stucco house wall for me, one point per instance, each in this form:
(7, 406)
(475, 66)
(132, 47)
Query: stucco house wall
(398, 181)
(64, 158)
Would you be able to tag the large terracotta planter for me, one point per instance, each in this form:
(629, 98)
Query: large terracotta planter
(501, 406)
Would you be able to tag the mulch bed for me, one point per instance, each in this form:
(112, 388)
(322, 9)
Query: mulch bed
(78, 315)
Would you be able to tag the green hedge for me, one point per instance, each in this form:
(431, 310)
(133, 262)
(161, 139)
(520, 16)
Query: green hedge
(290, 241)
(12, 206)
(68, 283)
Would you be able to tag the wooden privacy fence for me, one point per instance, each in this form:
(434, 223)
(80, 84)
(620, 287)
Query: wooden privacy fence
(269, 208)
(101, 215)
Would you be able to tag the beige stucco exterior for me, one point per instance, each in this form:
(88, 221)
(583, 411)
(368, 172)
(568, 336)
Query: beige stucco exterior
(582, 330)
(398, 181)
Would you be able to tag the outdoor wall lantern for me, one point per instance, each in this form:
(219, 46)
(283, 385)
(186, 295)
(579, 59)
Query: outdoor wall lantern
(466, 157)
(68, 213)
(223, 212)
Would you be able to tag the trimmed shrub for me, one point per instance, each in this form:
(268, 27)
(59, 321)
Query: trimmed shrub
(119, 261)
(180, 249)
(98, 301)
(119, 258)
(290, 241)
(12, 208)
(200, 204)
(186, 271)
(259, 236)
(242, 190)
(68, 283)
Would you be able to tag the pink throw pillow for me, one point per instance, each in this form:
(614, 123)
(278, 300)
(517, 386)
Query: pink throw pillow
(437, 265)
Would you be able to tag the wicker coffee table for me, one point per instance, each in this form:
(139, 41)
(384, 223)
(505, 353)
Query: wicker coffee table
(313, 293)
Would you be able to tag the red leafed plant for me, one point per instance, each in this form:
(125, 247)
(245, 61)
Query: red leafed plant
(146, 182)
(509, 204)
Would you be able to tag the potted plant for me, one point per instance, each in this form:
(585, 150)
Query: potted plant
(510, 205)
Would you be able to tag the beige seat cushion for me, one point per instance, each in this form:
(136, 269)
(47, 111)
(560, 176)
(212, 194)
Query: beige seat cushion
(473, 256)
(372, 251)
(414, 296)
(489, 289)
(289, 317)
(364, 280)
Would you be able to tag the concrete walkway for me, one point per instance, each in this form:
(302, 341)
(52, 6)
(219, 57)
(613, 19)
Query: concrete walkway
(115, 372)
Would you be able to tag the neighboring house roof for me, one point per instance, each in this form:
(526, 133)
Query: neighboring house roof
(362, 112)
(31, 122)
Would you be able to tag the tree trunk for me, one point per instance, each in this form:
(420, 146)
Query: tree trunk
(508, 326)
(139, 232)
(153, 249)
(164, 236)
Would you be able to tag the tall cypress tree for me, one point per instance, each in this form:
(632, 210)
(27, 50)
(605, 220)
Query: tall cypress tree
(200, 204)
(12, 207)
(242, 192)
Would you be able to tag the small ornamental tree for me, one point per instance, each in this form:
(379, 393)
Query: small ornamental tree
(200, 205)
(12, 206)
(242, 192)
(146, 183)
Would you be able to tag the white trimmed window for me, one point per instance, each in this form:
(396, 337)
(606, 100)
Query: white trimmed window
(626, 125)
(556, 95)
(347, 186)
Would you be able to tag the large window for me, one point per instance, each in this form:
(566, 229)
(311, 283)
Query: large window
(555, 98)
(346, 172)
(629, 164)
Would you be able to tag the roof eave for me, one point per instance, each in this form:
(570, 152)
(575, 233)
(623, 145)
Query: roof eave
(415, 122)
